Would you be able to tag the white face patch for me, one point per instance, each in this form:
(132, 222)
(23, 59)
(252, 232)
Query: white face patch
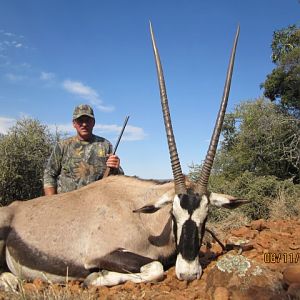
(190, 214)
(200, 213)
(165, 199)
(181, 215)
(187, 270)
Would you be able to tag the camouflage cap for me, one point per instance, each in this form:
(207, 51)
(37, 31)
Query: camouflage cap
(83, 110)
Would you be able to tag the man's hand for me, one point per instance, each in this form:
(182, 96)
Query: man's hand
(113, 161)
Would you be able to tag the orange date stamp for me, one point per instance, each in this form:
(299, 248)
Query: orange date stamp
(281, 257)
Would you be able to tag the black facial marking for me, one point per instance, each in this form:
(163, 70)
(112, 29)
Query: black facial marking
(189, 202)
(174, 228)
(189, 245)
(202, 228)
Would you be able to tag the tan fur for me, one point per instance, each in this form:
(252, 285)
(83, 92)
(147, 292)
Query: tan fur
(86, 224)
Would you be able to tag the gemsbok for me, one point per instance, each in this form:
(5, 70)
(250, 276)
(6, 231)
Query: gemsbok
(119, 228)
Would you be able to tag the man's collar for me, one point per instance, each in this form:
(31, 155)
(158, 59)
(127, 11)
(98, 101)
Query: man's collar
(90, 140)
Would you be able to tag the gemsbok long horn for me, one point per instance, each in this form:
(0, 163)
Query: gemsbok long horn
(209, 159)
(179, 181)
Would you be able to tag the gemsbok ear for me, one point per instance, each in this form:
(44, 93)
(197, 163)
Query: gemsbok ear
(165, 199)
(147, 209)
(226, 201)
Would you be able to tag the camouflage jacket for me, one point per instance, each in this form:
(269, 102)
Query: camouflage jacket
(74, 163)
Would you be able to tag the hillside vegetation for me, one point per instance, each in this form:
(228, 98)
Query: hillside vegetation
(258, 158)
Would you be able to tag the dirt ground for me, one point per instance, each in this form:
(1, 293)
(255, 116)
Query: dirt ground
(275, 248)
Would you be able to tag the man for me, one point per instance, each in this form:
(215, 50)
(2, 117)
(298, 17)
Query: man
(79, 160)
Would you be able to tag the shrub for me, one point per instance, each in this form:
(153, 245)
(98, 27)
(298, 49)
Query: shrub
(24, 151)
(265, 193)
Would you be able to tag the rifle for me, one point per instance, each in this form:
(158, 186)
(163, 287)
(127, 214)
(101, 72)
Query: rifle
(107, 170)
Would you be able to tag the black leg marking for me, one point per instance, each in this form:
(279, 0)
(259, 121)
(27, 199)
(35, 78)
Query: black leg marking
(121, 261)
(202, 232)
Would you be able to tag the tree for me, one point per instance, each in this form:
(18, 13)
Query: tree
(24, 151)
(283, 84)
(260, 138)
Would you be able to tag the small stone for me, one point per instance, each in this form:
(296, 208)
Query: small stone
(195, 283)
(258, 248)
(221, 293)
(258, 225)
(294, 246)
(165, 288)
(129, 285)
(243, 231)
(294, 290)
(263, 243)
(217, 249)
(251, 254)
(182, 285)
(286, 234)
(291, 274)
(104, 290)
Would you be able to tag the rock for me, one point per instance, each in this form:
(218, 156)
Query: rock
(221, 293)
(236, 271)
(182, 285)
(216, 248)
(244, 231)
(294, 246)
(258, 225)
(165, 288)
(264, 243)
(294, 291)
(104, 291)
(129, 285)
(291, 274)
(251, 254)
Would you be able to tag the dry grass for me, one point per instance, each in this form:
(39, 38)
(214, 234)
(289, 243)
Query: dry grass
(221, 228)
(33, 291)
(285, 206)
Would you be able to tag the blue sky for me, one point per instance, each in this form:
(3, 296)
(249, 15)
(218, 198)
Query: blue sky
(56, 54)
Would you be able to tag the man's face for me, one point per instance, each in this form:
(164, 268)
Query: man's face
(84, 127)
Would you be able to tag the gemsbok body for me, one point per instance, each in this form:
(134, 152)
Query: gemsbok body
(119, 228)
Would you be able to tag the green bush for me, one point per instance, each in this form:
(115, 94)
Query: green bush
(264, 193)
(261, 138)
(24, 151)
